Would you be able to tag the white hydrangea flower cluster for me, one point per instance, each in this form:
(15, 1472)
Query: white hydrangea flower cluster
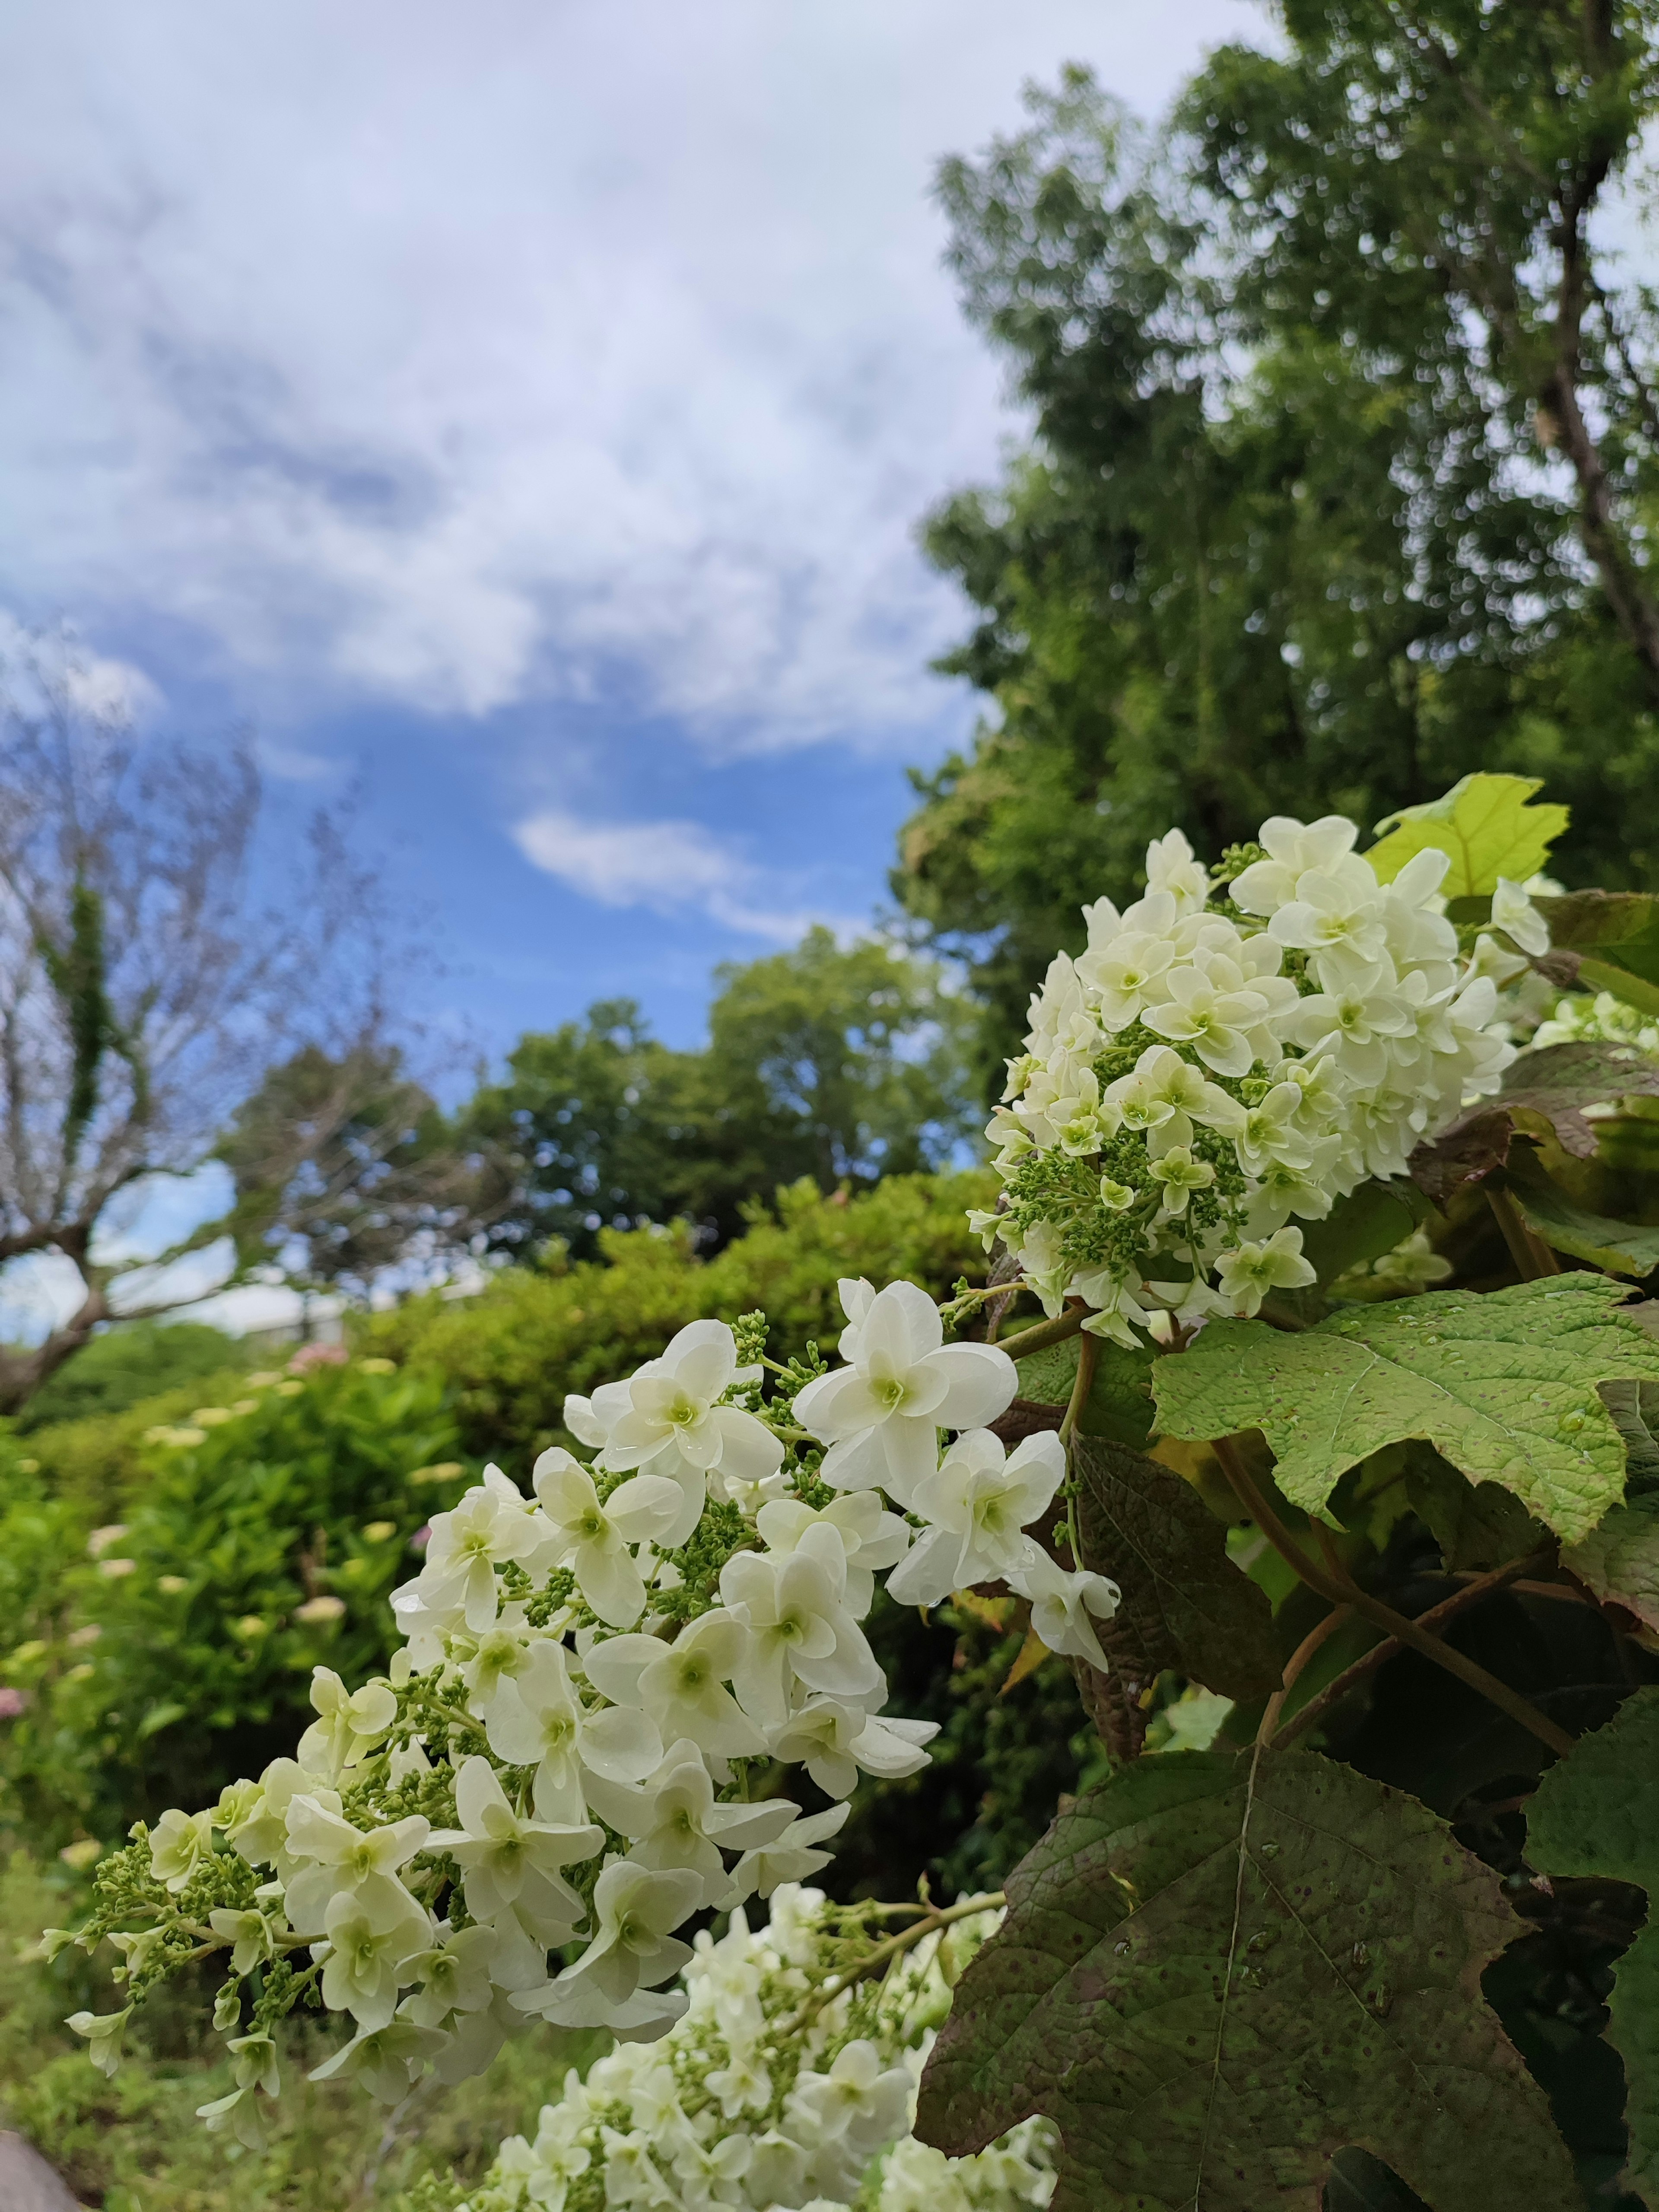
(756, 2100)
(1600, 1020)
(1231, 1053)
(555, 1776)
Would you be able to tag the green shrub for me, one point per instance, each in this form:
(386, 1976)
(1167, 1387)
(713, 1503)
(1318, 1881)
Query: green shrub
(168, 1653)
(510, 1353)
(128, 1363)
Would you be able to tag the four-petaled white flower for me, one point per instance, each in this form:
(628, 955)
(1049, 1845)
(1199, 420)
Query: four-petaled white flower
(673, 1819)
(978, 1504)
(668, 1420)
(1065, 1605)
(635, 1910)
(536, 1719)
(491, 1524)
(881, 1416)
(1251, 1271)
(799, 1629)
(511, 1865)
(832, 1739)
(593, 1540)
(682, 1684)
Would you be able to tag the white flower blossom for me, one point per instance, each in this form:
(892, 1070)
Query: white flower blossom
(668, 1421)
(509, 1864)
(535, 1718)
(1065, 1605)
(978, 1503)
(881, 1415)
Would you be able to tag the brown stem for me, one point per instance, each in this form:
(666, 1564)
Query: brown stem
(1338, 1617)
(1045, 1332)
(1531, 1255)
(1369, 1662)
(1346, 1591)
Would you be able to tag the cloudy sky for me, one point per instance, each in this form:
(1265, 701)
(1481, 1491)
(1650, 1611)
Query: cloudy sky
(526, 408)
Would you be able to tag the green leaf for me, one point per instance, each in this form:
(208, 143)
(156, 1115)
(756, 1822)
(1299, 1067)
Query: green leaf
(1621, 1247)
(1597, 1814)
(1362, 1227)
(1486, 822)
(1503, 1384)
(1476, 1524)
(1615, 935)
(1119, 1404)
(1213, 1979)
(1620, 1559)
(1185, 1604)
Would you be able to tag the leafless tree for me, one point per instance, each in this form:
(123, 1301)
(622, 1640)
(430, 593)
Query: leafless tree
(155, 963)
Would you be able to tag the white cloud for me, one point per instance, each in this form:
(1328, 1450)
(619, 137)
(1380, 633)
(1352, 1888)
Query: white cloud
(463, 356)
(667, 868)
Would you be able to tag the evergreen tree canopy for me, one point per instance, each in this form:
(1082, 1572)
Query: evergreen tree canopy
(1345, 459)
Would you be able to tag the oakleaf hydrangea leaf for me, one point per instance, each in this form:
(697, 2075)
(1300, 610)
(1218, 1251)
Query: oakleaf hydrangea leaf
(1185, 1606)
(1620, 1559)
(1597, 1812)
(1543, 1097)
(1623, 1248)
(1488, 824)
(1216, 1973)
(1501, 1384)
(1615, 937)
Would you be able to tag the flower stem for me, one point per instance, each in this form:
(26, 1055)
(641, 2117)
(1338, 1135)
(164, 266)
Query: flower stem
(1471, 1592)
(874, 1962)
(1532, 1256)
(1347, 1591)
(1045, 1332)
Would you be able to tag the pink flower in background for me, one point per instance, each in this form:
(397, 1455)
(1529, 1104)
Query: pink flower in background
(13, 1701)
(310, 1356)
(421, 1539)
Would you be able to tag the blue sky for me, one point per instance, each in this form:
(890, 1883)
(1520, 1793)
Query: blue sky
(525, 410)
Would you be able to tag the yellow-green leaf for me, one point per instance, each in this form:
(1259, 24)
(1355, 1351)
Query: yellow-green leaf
(1488, 824)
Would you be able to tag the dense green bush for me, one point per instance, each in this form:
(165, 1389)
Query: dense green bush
(128, 1363)
(510, 1353)
(156, 1683)
(167, 1652)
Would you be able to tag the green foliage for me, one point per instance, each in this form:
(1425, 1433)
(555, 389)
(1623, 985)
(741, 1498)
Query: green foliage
(133, 2144)
(340, 1162)
(1120, 1400)
(1186, 1608)
(842, 1064)
(1503, 1385)
(135, 1360)
(1272, 551)
(179, 1654)
(1217, 1972)
(1489, 825)
(510, 1354)
(1615, 937)
(1598, 1813)
(1361, 1227)
(1543, 1097)
(1620, 1248)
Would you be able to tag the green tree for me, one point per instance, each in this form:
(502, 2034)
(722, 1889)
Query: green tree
(838, 1064)
(1343, 461)
(344, 1166)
